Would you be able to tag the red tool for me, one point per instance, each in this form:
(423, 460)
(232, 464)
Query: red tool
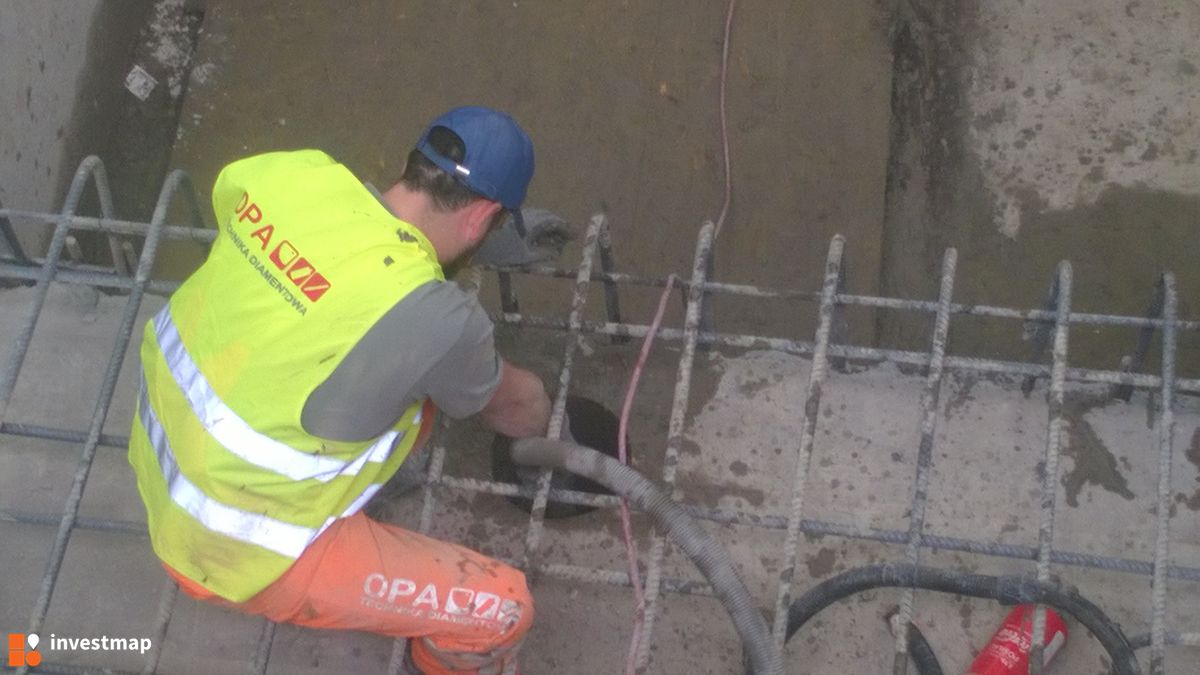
(1007, 653)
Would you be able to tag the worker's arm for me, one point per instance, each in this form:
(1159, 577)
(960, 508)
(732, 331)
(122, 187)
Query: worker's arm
(520, 407)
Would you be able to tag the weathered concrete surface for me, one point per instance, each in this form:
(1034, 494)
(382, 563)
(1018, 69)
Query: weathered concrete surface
(1072, 99)
(740, 453)
(61, 93)
(1025, 133)
(42, 47)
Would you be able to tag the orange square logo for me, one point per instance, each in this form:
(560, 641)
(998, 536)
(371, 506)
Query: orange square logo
(22, 650)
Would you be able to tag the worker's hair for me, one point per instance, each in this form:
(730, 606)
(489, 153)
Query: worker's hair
(422, 175)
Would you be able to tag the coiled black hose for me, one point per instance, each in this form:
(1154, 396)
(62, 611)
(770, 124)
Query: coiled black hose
(707, 554)
(1008, 590)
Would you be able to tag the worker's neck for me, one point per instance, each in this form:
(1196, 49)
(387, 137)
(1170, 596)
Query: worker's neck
(416, 209)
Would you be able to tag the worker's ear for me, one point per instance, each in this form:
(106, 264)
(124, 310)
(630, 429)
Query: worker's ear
(477, 218)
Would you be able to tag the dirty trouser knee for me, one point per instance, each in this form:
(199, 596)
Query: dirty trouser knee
(462, 611)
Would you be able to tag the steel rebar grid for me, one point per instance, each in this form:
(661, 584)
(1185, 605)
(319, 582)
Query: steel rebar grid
(679, 403)
(728, 517)
(930, 395)
(90, 167)
(1060, 295)
(931, 541)
(1166, 436)
(112, 372)
(812, 405)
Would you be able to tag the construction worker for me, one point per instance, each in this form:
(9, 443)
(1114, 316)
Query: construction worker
(290, 376)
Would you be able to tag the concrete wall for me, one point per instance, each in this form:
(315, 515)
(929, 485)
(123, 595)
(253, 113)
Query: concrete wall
(43, 49)
(1029, 132)
(62, 97)
(1072, 99)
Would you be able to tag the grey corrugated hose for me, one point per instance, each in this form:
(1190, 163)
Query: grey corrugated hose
(708, 556)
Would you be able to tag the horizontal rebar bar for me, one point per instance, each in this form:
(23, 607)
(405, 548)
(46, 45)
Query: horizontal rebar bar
(865, 355)
(85, 277)
(206, 236)
(810, 527)
(721, 516)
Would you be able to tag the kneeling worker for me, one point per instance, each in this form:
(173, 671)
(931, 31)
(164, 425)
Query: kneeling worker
(289, 377)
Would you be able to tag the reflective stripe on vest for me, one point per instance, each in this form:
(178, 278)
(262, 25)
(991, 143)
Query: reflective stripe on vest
(232, 432)
(274, 535)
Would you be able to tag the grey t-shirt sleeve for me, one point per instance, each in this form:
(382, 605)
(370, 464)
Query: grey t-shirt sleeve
(436, 342)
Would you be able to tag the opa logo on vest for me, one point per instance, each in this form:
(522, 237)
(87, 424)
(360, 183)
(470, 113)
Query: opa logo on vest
(285, 256)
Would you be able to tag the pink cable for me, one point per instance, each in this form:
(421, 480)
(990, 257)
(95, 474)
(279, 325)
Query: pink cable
(626, 526)
(724, 125)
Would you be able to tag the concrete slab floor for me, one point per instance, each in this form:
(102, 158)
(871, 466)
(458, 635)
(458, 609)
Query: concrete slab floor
(740, 453)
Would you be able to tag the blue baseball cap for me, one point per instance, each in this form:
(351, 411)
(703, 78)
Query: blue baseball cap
(499, 158)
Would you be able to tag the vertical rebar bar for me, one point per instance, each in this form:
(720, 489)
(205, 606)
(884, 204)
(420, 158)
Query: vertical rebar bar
(508, 296)
(839, 332)
(108, 388)
(812, 406)
(1061, 292)
(930, 395)
(1038, 333)
(612, 299)
(90, 167)
(433, 475)
(262, 651)
(1166, 436)
(8, 238)
(166, 605)
(675, 429)
(537, 515)
(1133, 362)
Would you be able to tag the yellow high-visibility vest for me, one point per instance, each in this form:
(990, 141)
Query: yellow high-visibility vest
(306, 261)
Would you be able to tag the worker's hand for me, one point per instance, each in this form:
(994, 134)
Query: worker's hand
(545, 237)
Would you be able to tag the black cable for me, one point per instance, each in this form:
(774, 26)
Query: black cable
(919, 648)
(1008, 590)
(709, 557)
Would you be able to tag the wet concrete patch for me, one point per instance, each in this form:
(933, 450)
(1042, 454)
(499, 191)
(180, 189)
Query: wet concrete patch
(822, 563)
(1094, 463)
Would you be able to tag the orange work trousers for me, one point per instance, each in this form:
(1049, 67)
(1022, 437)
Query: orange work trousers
(462, 611)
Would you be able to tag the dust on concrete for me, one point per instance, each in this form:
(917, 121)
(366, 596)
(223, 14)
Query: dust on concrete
(1094, 464)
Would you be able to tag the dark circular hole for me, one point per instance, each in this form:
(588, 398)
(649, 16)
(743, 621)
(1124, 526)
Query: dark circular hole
(592, 425)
